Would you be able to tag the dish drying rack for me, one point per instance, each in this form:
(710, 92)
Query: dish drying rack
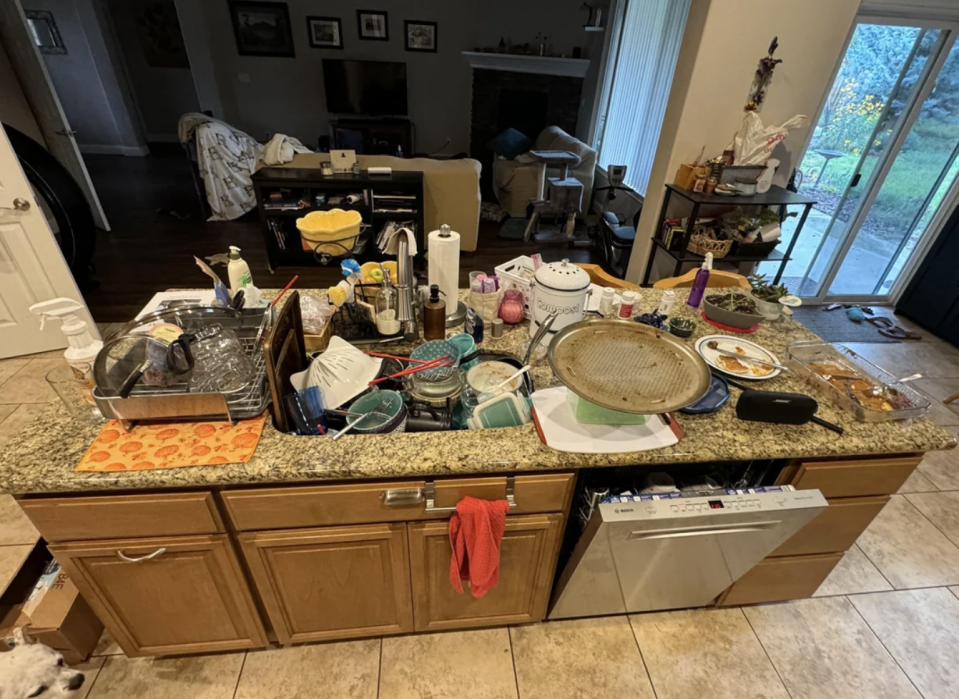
(177, 402)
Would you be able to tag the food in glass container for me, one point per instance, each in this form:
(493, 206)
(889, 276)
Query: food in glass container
(869, 394)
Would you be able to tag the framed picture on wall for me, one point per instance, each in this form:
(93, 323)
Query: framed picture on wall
(325, 32)
(420, 36)
(262, 28)
(373, 25)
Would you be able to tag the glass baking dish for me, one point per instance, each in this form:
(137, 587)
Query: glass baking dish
(906, 401)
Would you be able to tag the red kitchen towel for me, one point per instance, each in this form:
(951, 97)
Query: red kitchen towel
(476, 531)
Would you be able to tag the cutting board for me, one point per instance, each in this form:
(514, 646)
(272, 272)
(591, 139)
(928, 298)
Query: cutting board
(558, 429)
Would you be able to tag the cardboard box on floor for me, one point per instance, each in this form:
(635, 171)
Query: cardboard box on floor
(56, 615)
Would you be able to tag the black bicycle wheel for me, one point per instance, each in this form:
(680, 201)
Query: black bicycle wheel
(76, 229)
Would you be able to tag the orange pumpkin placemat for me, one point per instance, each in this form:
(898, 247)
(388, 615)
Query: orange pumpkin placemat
(172, 445)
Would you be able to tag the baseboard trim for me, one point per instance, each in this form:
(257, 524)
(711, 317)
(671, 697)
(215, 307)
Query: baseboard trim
(162, 138)
(99, 149)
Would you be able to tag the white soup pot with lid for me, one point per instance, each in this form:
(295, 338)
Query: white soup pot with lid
(562, 287)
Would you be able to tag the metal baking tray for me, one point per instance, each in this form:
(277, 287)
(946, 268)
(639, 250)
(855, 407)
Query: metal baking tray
(628, 367)
(800, 354)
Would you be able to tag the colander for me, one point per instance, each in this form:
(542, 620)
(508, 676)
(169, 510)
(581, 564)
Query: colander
(627, 366)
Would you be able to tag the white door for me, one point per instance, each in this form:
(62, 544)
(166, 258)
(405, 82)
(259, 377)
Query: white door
(30, 69)
(32, 269)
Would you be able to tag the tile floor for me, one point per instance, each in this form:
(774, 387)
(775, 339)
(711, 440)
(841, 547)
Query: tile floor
(885, 624)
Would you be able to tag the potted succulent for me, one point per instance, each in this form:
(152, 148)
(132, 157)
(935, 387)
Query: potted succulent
(734, 308)
(767, 296)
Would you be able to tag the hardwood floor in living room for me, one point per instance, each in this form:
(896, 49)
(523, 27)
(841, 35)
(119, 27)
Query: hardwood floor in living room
(158, 226)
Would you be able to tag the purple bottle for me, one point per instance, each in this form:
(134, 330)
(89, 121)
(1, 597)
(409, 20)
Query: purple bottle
(699, 283)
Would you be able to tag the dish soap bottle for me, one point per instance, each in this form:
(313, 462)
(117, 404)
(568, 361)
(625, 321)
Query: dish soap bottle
(238, 271)
(699, 283)
(434, 316)
(83, 349)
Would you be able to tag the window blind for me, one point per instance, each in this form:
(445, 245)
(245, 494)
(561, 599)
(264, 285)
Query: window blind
(641, 76)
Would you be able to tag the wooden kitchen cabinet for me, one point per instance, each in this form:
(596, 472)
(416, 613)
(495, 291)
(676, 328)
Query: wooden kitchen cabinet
(335, 582)
(527, 561)
(166, 596)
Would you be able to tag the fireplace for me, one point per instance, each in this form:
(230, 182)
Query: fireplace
(527, 102)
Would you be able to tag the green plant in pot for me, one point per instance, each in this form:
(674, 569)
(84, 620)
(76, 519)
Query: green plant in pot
(767, 296)
(734, 308)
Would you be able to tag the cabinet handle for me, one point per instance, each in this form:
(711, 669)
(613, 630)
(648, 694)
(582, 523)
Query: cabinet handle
(431, 489)
(142, 558)
(403, 497)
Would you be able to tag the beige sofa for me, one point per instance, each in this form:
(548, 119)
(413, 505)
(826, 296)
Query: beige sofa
(517, 181)
(451, 189)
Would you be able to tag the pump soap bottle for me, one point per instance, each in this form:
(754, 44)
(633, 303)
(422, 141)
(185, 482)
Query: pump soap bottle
(434, 315)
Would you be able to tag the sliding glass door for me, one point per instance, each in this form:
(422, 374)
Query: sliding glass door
(882, 159)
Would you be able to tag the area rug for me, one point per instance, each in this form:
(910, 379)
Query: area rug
(835, 326)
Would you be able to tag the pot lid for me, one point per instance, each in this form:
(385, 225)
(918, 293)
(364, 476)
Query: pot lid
(562, 276)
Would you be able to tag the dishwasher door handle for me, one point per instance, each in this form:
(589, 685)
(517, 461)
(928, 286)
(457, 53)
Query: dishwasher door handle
(704, 530)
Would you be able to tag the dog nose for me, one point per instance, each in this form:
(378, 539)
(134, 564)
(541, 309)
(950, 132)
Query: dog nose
(75, 682)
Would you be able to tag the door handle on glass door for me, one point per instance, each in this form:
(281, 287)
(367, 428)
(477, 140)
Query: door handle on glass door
(854, 182)
(19, 206)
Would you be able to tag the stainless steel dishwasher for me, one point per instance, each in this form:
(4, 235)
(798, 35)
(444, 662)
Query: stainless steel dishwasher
(646, 552)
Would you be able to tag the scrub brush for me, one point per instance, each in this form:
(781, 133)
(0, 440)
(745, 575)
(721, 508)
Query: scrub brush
(337, 295)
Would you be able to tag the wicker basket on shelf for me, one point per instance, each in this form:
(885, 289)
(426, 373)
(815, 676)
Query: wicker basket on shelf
(700, 243)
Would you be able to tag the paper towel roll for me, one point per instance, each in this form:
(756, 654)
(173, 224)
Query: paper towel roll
(444, 264)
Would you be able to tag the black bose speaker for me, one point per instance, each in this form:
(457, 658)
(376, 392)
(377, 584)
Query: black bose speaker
(780, 408)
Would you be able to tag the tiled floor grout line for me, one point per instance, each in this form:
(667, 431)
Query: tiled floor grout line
(642, 657)
(239, 677)
(97, 677)
(873, 631)
(938, 529)
(379, 670)
(765, 652)
(512, 657)
(878, 569)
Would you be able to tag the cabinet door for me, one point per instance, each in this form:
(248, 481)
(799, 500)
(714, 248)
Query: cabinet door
(527, 563)
(335, 582)
(168, 595)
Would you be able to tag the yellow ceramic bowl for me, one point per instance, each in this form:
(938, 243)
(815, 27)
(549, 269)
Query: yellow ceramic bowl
(337, 225)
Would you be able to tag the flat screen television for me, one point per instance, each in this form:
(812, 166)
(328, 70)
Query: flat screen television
(368, 88)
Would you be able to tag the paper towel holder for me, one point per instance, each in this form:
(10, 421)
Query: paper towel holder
(457, 316)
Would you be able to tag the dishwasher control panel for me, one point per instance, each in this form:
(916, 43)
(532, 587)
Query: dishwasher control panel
(671, 505)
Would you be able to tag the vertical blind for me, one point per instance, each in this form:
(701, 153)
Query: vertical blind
(639, 80)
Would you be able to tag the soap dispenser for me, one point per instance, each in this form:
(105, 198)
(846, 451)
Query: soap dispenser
(434, 315)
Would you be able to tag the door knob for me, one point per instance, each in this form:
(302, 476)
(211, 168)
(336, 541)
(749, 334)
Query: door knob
(19, 206)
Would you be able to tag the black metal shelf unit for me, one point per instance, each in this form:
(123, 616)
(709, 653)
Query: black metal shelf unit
(283, 242)
(776, 196)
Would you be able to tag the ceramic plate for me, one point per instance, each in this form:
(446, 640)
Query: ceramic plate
(739, 346)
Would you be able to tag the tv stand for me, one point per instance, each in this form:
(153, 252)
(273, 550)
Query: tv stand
(371, 135)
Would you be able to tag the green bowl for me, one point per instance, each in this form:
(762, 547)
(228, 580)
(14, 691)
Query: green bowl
(682, 327)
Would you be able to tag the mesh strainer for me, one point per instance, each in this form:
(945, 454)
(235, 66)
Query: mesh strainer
(627, 366)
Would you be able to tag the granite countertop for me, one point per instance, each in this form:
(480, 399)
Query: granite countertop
(42, 460)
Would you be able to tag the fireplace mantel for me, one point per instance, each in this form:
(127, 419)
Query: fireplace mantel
(542, 65)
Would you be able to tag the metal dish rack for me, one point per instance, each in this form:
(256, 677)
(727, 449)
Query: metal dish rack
(177, 402)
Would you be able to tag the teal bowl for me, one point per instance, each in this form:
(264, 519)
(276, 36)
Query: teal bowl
(466, 345)
(434, 349)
